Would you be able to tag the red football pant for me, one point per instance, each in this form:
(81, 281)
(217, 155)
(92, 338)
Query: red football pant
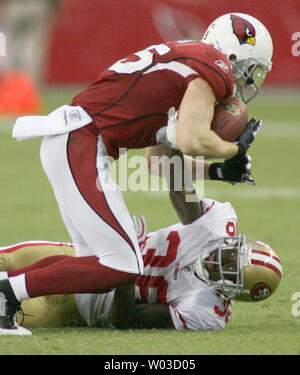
(62, 274)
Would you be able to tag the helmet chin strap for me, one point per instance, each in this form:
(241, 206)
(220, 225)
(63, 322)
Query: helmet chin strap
(242, 73)
(201, 272)
(229, 293)
(239, 91)
(255, 90)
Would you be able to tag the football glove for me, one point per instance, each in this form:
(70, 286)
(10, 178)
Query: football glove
(140, 227)
(172, 127)
(234, 170)
(248, 136)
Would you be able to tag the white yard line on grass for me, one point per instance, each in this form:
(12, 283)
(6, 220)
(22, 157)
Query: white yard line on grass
(279, 130)
(258, 192)
(268, 130)
(255, 192)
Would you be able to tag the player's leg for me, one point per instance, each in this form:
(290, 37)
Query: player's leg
(46, 311)
(110, 232)
(51, 311)
(90, 202)
(66, 275)
(98, 222)
(25, 253)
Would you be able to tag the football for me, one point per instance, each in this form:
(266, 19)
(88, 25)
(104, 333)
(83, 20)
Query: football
(230, 119)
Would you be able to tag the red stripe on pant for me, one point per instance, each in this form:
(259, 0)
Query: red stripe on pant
(82, 153)
(63, 274)
(12, 248)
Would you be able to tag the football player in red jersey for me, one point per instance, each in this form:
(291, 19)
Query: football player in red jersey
(127, 107)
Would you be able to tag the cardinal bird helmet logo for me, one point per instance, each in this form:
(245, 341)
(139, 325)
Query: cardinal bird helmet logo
(243, 29)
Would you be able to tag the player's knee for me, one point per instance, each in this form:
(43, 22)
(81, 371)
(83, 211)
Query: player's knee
(5, 262)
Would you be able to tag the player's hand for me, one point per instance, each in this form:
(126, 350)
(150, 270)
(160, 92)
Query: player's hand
(234, 170)
(172, 127)
(248, 136)
(140, 227)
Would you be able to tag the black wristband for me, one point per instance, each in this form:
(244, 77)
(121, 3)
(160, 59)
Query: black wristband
(242, 149)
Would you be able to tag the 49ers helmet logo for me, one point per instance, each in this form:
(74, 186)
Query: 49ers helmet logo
(260, 291)
(243, 29)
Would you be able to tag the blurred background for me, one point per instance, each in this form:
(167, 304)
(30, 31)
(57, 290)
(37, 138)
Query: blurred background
(51, 43)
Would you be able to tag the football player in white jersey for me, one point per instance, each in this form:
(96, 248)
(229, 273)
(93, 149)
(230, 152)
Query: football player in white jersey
(171, 292)
(192, 271)
(188, 291)
(178, 289)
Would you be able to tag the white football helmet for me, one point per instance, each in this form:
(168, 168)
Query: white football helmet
(239, 270)
(248, 46)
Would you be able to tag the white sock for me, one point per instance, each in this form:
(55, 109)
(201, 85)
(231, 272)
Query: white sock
(19, 287)
(3, 275)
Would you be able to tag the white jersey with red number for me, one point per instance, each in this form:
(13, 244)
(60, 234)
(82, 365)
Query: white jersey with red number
(169, 256)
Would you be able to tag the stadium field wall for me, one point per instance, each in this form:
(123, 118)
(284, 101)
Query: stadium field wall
(90, 35)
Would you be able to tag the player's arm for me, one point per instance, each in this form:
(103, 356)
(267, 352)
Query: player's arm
(194, 135)
(178, 174)
(181, 190)
(154, 153)
(127, 314)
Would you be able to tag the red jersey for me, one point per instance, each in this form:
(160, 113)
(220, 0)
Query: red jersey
(129, 101)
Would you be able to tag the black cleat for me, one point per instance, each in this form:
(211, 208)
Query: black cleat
(9, 305)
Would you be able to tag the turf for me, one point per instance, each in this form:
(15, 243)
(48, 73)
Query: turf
(268, 211)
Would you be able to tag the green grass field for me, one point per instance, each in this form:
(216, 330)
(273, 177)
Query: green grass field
(268, 211)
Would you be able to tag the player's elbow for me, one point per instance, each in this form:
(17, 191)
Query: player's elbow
(189, 148)
(153, 158)
(185, 143)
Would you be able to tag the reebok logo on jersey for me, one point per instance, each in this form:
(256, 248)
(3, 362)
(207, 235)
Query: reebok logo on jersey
(221, 64)
(175, 275)
(75, 115)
